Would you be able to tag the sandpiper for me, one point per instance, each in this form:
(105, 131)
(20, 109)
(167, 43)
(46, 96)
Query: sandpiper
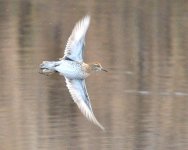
(72, 67)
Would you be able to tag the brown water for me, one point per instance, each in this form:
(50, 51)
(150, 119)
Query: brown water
(142, 101)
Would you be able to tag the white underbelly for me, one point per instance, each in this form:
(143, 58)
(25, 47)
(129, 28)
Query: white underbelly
(71, 70)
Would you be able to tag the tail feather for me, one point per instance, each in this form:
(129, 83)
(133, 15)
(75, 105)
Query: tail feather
(48, 67)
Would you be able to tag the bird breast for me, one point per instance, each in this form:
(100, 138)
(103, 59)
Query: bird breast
(72, 69)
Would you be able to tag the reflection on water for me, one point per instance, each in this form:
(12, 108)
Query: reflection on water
(157, 93)
(141, 101)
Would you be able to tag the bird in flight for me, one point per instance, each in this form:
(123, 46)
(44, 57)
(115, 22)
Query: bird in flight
(72, 67)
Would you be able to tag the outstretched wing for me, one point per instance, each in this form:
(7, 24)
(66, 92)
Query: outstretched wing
(80, 96)
(75, 46)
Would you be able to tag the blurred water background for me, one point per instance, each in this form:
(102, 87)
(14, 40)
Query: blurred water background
(142, 101)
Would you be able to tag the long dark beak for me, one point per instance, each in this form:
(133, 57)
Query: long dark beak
(104, 70)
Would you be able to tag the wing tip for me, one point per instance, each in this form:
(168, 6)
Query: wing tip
(101, 127)
(87, 19)
(96, 122)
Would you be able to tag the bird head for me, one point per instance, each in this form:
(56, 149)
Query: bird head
(97, 67)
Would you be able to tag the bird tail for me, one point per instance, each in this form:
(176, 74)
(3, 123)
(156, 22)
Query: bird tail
(48, 67)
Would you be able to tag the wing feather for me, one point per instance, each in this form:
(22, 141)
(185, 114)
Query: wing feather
(79, 94)
(75, 46)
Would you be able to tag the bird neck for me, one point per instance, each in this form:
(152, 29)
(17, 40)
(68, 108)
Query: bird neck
(89, 68)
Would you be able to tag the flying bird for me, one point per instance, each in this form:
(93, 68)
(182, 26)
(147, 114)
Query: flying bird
(75, 71)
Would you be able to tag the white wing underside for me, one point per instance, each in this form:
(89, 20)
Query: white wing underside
(79, 94)
(76, 42)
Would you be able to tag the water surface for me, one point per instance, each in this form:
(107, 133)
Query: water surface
(142, 101)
